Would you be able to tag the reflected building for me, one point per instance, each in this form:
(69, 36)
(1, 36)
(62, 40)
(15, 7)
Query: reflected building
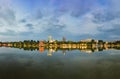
(64, 52)
(50, 51)
(87, 51)
(41, 49)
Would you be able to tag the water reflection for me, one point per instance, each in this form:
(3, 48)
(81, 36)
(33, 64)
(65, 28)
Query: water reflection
(52, 50)
(79, 61)
(17, 64)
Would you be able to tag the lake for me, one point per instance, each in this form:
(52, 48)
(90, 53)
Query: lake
(61, 64)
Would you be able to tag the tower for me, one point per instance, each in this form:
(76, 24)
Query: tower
(63, 39)
(49, 38)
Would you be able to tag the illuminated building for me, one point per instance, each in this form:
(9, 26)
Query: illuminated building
(50, 39)
(63, 39)
(41, 43)
(41, 49)
(87, 40)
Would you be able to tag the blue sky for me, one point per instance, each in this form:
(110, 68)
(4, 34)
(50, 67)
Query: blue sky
(73, 19)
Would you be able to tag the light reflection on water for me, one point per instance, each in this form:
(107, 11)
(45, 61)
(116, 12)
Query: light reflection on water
(20, 64)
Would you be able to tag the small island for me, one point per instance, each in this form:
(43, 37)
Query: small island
(87, 45)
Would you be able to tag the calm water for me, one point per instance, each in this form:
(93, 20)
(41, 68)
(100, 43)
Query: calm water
(20, 64)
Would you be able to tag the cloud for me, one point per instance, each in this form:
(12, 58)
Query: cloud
(38, 14)
(78, 26)
(30, 26)
(108, 21)
(70, 18)
(10, 24)
(76, 7)
(23, 21)
(114, 7)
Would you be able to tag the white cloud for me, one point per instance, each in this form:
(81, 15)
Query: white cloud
(49, 19)
(8, 21)
(115, 6)
(79, 26)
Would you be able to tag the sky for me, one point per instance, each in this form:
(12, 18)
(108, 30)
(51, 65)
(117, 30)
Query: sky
(73, 19)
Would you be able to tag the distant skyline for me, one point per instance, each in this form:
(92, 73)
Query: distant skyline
(73, 19)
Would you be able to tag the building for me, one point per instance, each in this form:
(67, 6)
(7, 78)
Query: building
(63, 39)
(86, 40)
(90, 40)
(50, 40)
(41, 43)
(0, 43)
